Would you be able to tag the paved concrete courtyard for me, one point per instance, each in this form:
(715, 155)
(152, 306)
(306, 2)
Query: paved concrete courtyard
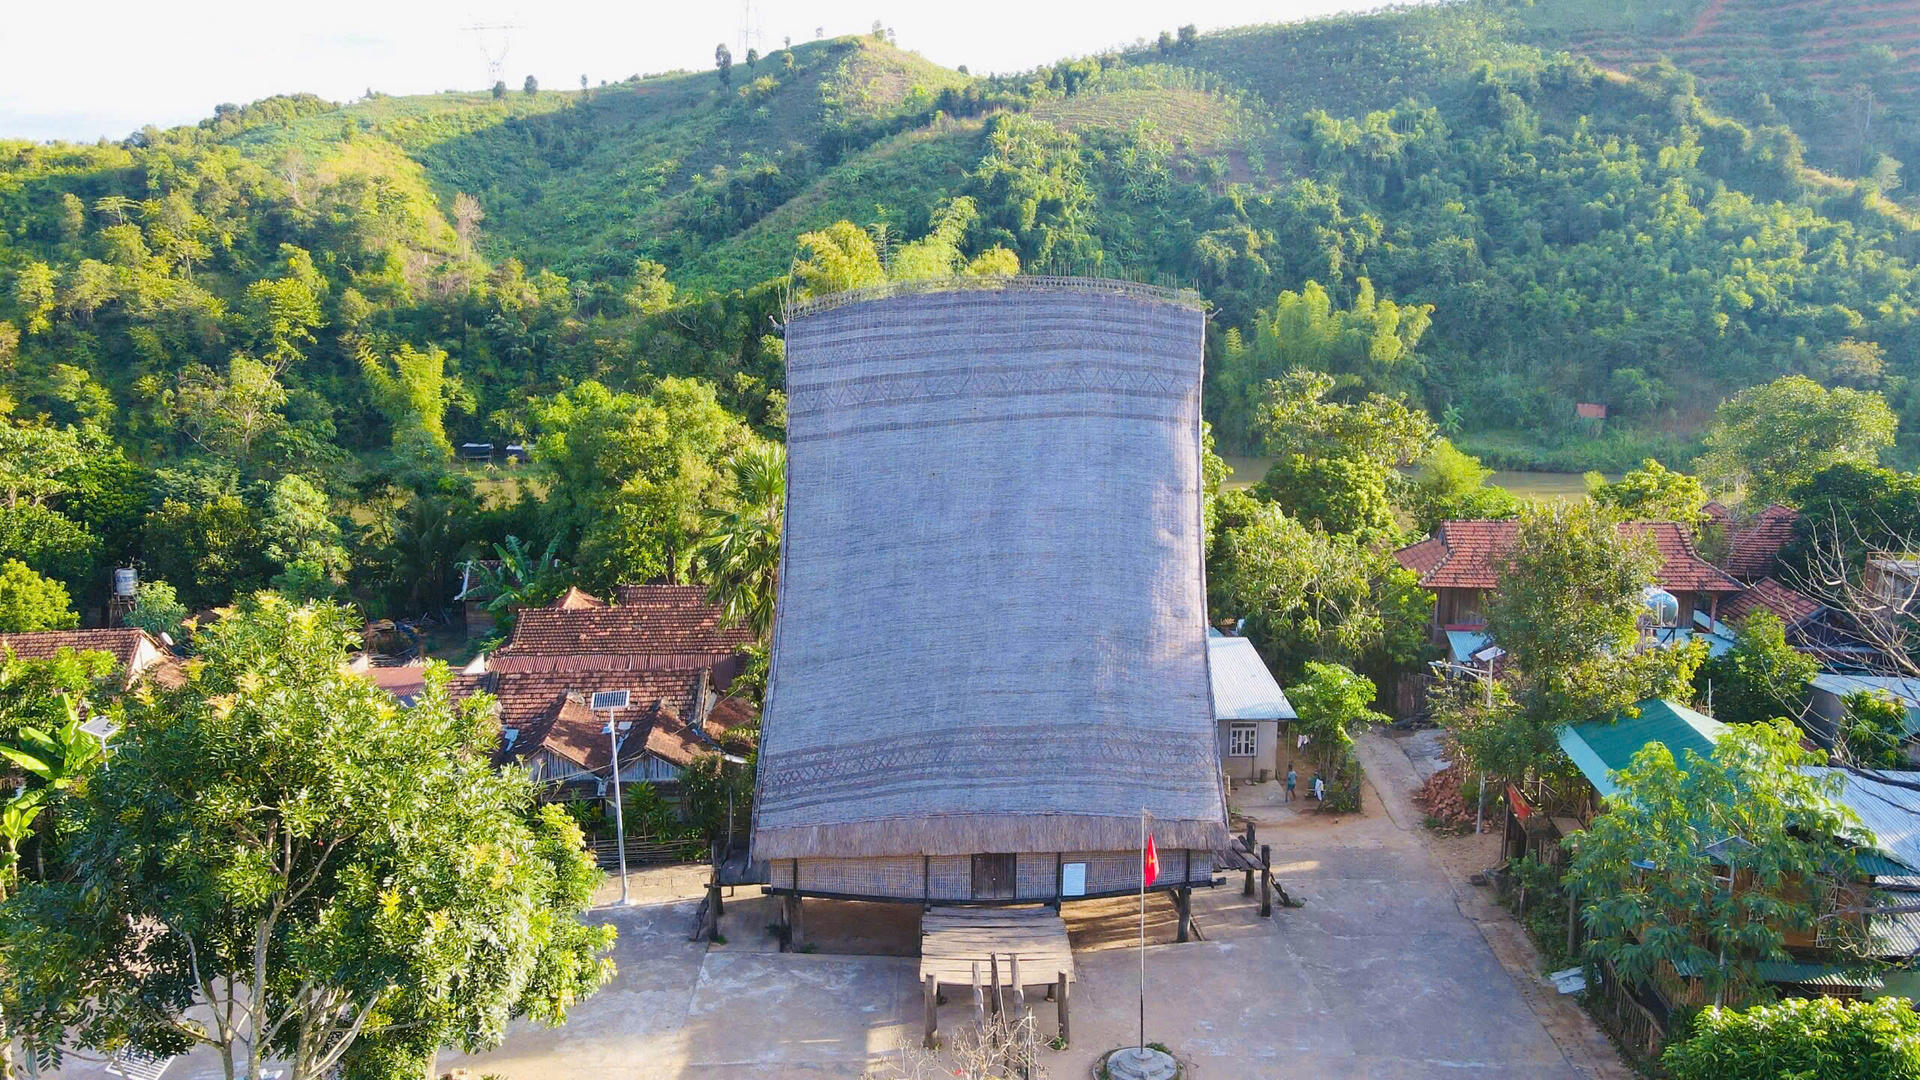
(1379, 975)
(1394, 968)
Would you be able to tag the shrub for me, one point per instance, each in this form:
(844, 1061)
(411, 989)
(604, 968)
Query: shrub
(1807, 1039)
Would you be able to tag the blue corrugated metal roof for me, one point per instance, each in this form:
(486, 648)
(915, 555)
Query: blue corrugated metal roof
(1464, 643)
(1890, 812)
(1243, 688)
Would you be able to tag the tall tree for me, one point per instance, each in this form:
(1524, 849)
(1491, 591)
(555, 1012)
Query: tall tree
(414, 397)
(723, 63)
(1336, 463)
(1372, 344)
(1567, 615)
(1651, 492)
(634, 476)
(1314, 596)
(1768, 439)
(740, 557)
(1761, 677)
(838, 258)
(295, 869)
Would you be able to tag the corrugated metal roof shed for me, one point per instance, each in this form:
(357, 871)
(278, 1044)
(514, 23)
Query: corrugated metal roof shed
(1602, 747)
(1890, 812)
(1907, 690)
(1243, 688)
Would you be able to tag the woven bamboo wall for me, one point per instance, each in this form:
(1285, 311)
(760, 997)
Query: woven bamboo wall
(950, 877)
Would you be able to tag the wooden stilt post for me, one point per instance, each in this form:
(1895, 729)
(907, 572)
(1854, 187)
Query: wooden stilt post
(979, 1000)
(1182, 901)
(1060, 1005)
(931, 996)
(1573, 921)
(796, 932)
(1248, 889)
(999, 1002)
(1019, 991)
(1266, 881)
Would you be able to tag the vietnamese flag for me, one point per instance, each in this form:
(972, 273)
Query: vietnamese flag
(1149, 864)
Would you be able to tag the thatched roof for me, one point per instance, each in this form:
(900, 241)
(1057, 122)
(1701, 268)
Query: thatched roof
(991, 634)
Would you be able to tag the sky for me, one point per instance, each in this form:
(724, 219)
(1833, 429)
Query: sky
(114, 66)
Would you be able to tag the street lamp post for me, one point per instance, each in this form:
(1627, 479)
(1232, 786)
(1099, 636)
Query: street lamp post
(612, 701)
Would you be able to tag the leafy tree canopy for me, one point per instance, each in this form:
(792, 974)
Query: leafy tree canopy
(1748, 812)
(1769, 439)
(29, 602)
(1651, 492)
(1761, 677)
(344, 883)
(1818, 1038)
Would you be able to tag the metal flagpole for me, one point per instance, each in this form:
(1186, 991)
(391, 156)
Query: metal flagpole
(1143, 933)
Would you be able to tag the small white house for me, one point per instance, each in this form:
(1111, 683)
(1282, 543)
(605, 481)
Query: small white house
(1250, 711)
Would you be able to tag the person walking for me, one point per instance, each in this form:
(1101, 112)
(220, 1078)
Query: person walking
(1292, 779)
(1319, 788)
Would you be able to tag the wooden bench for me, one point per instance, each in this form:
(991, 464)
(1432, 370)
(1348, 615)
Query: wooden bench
(1010, 947)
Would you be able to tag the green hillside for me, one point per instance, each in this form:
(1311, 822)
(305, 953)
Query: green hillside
(1844, 73)
(301, 287)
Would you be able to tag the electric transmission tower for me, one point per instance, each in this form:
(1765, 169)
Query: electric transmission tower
(496, 57)
(749, 28)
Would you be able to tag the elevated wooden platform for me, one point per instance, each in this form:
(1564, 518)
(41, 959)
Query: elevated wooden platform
(953, 940)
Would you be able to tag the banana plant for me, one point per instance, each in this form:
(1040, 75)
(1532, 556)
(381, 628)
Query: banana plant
(58, 758)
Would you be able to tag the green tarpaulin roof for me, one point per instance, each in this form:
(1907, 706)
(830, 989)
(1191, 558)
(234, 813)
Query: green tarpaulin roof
(1602, 747)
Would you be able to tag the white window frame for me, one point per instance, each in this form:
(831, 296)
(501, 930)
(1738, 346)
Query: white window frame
(1252, 735)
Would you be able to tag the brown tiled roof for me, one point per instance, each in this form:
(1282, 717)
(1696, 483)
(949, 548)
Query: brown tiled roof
(1717, 512)
(1789, 606)
(730, 713)
(576, 599)
(527, 696)
(648, 620)
(1752, 547)
(1468, 554)
(550, 715)
(404, 681)
(1423, 556)
(1681, 567)
(122, 642)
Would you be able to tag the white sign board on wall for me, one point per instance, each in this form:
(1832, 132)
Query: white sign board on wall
(1073, 879)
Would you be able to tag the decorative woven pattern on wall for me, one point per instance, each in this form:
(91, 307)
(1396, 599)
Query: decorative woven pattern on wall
(991, 630)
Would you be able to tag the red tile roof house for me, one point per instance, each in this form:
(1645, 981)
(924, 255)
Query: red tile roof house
(1462, 562)
(1754, 545)
(665, 645)
(134, 652)
(672, 717)
(648, 627)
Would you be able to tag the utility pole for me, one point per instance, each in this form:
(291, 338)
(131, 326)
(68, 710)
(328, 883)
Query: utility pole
(612, 701)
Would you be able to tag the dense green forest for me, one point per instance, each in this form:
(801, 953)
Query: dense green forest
(238, 353)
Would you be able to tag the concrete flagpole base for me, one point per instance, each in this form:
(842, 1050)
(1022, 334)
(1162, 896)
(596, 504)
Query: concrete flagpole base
(1134, 1063)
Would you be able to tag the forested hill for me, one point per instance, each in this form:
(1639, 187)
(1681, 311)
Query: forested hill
(1825, 68)
(1629, 235)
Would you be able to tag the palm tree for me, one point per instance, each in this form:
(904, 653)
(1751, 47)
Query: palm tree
(740, 557)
